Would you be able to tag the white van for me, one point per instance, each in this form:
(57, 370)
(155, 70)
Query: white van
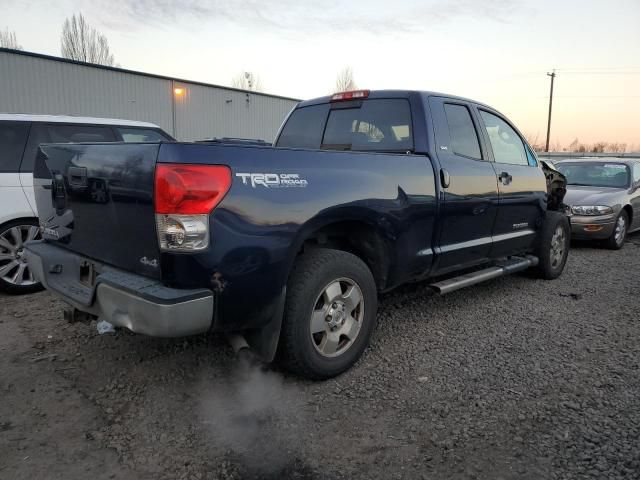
(20, 136)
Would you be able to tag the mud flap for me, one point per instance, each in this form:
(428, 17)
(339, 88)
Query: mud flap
(264, 340)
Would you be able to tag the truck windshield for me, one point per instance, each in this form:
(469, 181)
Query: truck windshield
(595, 174)
(380, 125)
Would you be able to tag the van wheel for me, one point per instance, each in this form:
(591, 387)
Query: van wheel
(619, 234)
(553, 245)
(15, 275)
(330, 313)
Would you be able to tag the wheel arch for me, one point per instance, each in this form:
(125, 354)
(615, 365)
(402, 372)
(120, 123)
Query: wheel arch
(19, 218)
(627, 208)
(360, 236)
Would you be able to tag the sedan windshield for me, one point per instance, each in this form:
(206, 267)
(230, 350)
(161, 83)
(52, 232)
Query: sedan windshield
(595, 174)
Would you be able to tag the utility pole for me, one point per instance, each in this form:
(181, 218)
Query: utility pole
(553, 76)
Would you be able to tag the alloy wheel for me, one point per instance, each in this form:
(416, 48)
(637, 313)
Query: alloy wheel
(558, 241)
(620, 230)
(337, 317)
(13, 264)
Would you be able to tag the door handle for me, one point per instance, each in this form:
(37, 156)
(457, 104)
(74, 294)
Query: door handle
(505, 178)
(445, 178)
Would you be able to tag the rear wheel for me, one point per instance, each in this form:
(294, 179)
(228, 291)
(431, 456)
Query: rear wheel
(15, 275)
(329, 314)
(619, 234)
(553, 245)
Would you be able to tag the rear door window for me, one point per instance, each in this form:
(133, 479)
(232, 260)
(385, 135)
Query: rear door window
(13, 138)
(52, 133)
(506, 144)
(141, 135)
(381, 125)
(463, 135)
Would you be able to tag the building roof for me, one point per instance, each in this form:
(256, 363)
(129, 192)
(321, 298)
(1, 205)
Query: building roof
(28, 117)
(135, 72)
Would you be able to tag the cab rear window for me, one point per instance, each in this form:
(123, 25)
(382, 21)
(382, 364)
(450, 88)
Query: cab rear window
(304, 127)
(380, 125)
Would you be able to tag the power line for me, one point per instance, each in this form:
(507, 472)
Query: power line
(627, 67)
(589, 96)
(600, 73)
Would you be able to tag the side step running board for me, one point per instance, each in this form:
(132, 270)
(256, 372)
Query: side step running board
(510, 265)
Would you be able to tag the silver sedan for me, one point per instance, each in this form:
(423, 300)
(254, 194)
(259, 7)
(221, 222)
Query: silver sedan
(603, 198)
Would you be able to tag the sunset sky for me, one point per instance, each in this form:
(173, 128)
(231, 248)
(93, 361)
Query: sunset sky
(495, 51)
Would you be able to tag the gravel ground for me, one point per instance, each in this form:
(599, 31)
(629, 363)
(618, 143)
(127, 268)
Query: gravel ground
(516, 378)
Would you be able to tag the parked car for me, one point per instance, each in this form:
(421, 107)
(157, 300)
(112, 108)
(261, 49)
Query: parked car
(20, 136)
(603, 195)
(289, 245)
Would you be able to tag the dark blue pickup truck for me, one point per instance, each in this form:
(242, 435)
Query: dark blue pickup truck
(289, 245)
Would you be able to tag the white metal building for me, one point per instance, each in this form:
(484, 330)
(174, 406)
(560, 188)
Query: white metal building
(41, 84)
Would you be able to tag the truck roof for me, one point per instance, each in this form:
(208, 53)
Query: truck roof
(392, 94)
(29, 117)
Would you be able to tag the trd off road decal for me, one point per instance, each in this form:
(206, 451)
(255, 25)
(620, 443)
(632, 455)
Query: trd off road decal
(272, 180)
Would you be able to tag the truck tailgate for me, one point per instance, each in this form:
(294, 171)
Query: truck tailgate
(97, 200)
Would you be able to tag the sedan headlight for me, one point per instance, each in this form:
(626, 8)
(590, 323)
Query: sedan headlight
(591, 210)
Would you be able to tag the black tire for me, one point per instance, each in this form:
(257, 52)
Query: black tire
(554, 235)
(614, 243)
(314, 274)
(7, 285)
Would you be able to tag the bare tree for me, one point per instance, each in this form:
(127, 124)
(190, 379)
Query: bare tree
(533, 141)
(344, 80)
(80, 41)
(247, 81)
(573, 146)
(8, 40)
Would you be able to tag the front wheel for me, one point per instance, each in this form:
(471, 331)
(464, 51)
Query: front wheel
(619, 234)
(553, 245)
(15, 275)
(330, 313)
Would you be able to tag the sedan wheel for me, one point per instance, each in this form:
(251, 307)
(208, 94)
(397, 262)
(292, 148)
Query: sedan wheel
(621, 229)
(619, 234)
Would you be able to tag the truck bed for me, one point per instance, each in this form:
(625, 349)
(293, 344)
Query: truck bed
(276, 197)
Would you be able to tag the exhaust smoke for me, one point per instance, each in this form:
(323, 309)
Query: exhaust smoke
(257, 418)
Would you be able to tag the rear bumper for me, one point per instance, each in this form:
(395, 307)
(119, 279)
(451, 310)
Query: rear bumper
(592, 227)
(126, 300)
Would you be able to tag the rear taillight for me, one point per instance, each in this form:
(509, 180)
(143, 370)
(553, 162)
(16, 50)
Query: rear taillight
(185, 195)
(352, 95)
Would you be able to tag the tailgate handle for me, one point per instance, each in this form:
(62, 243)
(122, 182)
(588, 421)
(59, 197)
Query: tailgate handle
(58, 194)
(78, 176)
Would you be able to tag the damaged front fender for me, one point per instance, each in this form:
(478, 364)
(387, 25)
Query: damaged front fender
(556, 187)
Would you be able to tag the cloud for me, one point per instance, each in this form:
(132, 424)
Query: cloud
(291, 16)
